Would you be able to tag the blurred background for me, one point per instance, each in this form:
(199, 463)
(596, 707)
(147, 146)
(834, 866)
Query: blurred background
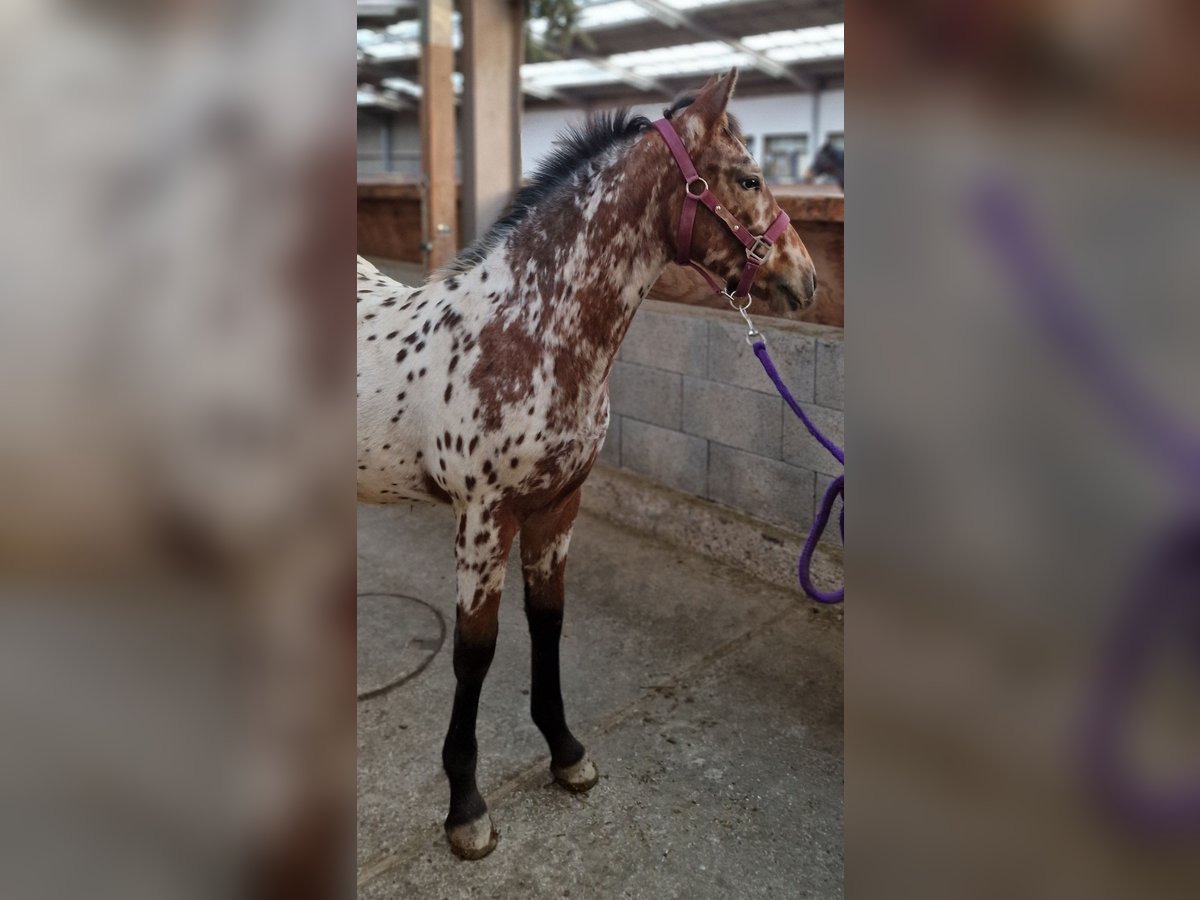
(176, 521)
(1022, 670)
(597, 54)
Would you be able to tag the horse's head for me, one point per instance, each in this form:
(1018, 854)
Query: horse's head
(787, 278)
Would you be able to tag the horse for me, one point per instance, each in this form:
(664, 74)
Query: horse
(830, 161)
(485, 389)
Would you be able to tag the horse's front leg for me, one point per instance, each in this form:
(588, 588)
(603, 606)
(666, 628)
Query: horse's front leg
(485, 535)
(545, 537)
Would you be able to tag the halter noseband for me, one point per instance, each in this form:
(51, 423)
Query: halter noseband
(696, 191)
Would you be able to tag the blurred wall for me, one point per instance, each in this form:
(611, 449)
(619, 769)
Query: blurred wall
(760, 117)
(776, 114)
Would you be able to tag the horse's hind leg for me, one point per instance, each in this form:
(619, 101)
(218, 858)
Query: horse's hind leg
(544, 540)
(481, 552)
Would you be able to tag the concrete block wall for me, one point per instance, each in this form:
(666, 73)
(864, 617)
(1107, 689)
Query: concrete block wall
(693, 410)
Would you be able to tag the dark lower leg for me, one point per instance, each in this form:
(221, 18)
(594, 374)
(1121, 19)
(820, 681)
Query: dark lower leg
(472, 658)
(545, 629)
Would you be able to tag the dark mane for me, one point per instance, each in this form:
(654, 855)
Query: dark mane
(574, 147)
(683, 101)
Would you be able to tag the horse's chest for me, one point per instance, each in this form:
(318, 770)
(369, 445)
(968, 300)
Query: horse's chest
(568, 453)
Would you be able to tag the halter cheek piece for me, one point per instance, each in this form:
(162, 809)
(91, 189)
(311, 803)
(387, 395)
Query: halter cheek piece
(696, 192)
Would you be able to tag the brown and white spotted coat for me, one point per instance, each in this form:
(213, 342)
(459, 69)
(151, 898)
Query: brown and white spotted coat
(486, 388)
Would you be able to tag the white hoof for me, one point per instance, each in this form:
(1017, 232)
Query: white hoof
(578, 778)
(473, 840)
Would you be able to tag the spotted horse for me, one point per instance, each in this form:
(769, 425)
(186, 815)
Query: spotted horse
(486, 388)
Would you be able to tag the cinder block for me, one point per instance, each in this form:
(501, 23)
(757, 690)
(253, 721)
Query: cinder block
(833, 533)
(651, 395)
(732, 415)
(764, 488)
(732, 361)
(801, 449)
(830, 374)
(610, 453)
(677, 342)
(668, 457)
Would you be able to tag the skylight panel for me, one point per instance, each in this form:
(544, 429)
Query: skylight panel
(410, 29)
(563, 73)
(707, 56)
(685, 5)
(394, 50)
(400, 40)
(403, 86)
(610, 15)
(383, 7)
(369, 96)
(821, 42)
(597, 16)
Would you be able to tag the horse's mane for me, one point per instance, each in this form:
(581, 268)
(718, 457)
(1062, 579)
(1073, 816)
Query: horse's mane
(573, 147)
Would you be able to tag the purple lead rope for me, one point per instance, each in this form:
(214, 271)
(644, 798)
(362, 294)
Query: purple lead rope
(835, 489)
(1161, 605)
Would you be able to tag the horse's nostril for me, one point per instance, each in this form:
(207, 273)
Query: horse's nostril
(793, 300)
(814, 284)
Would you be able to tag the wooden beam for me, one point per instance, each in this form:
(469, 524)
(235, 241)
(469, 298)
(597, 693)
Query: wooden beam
(437, 131)
(493, 48)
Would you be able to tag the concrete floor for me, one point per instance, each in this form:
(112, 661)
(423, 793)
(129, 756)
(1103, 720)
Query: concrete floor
(711, 704)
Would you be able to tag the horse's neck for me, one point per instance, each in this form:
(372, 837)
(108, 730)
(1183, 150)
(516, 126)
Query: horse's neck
(584, 260)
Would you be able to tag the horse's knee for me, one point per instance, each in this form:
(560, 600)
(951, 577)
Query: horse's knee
(474, 646)
(544, 613)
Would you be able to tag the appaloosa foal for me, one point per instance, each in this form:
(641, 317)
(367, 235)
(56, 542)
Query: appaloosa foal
(486, 389)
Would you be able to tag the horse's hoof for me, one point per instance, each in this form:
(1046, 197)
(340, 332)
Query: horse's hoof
(472, 840)
(578, 778)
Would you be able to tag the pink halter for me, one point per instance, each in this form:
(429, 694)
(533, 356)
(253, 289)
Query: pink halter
(696, 191)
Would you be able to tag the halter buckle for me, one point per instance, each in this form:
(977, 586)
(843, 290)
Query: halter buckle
(757, 252)
(703, 189)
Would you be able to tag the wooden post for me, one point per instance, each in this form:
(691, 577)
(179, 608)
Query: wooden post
(437, 131)
(493, 50)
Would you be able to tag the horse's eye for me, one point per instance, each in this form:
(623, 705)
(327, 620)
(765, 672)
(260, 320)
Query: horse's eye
(751, 183)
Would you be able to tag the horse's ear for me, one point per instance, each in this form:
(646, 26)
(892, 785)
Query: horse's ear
(729, 81)
(713, 99)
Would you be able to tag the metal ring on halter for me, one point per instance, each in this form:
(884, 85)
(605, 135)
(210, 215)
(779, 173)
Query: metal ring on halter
(751, 331)
(753, 254)
(732, 298)
(697, 180)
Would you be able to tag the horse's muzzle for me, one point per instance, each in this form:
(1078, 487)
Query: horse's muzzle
(793, 296)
